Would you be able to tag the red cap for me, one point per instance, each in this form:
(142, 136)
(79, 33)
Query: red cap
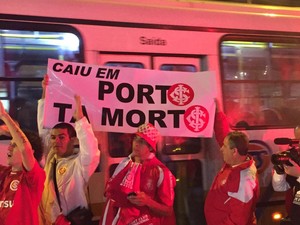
(148, 132)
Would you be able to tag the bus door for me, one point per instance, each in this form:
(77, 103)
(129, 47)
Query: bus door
(184, 64)
(182, 155)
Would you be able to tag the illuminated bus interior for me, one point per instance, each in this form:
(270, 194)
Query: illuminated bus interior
(261, 82)
(23, 62)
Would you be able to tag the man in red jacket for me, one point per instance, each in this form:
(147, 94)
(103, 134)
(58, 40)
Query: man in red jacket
(235, 190)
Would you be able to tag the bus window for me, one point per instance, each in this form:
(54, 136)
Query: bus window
(126, 64)
(260, 82)
(23, 62)
(181, 145)
(178, 67)
(25, 53)
(120, 144)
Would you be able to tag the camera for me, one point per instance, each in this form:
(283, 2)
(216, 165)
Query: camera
(283, 158)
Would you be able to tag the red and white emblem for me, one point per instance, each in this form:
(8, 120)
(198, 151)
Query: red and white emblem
(180, 94)
(196, 118)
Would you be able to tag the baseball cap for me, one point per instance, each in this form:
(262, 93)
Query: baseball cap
(148, 132)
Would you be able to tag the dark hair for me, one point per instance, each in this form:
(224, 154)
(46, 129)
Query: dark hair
(36, 144)
(69, 127)
(239, 140)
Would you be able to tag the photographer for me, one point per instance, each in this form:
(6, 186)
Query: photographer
(287, 178)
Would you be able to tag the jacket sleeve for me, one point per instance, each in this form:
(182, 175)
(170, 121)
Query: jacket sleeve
(221, 127)
(166, 185)
(279, 182)
(40, 118)
(89, 154)
(43, 133)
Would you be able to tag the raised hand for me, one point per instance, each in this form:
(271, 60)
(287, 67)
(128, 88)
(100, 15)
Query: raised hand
(2, 110)
(45, 83)
(78, 114)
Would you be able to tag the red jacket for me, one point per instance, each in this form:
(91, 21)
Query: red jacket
(151, 177)
(233, 195)
(221, 127)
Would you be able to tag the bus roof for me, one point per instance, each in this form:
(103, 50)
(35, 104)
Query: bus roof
(164, 12)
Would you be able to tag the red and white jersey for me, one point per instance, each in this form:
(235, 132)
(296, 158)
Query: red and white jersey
(233, 195)
(151, 177)
(20, 195)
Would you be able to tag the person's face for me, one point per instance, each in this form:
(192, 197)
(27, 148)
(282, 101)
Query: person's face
(14, 157)
(228, 153)
(60, 142)
(140, 149)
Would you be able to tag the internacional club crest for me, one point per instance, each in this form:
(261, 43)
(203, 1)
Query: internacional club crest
(14, 185)
(196, 117)
(180, 94)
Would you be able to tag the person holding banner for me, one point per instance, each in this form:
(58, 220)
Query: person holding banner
(22, 181)
(68, 168)
(141, 190)
(235, 190)
(221, 125)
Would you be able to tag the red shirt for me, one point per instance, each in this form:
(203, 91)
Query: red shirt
(20, 195)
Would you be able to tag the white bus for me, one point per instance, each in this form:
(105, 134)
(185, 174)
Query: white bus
(254, 51)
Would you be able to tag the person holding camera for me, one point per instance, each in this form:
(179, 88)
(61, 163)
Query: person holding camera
(286, 177)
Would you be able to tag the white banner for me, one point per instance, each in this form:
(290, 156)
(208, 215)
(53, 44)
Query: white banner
(118, 99)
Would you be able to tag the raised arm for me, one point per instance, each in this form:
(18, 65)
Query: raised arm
(19, 138)
(89, 152)
(44, 85)
(78, 114)
(221, 126)
(40, 112)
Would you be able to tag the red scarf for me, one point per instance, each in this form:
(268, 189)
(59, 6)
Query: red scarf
(118, 206)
